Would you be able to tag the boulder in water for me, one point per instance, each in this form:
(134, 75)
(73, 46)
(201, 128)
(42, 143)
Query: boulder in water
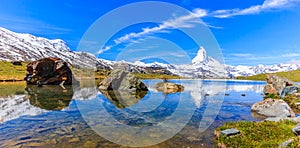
(122, 80)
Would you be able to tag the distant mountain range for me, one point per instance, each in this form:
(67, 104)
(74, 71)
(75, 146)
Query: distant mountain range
(26, 47)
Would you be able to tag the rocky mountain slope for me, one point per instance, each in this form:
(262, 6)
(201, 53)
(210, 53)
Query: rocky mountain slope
(26, 47)
(240, 70)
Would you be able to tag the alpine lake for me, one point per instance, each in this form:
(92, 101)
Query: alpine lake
(82, 116)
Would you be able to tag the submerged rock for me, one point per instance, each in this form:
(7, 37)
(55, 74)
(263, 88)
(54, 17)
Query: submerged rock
(273, 108)
(122, 80)
(279, 86)
(49, 71)
(168, 87)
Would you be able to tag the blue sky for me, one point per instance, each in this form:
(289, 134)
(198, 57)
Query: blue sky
(249, 32)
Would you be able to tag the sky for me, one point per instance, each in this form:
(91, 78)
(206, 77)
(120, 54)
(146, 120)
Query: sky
(248, 32)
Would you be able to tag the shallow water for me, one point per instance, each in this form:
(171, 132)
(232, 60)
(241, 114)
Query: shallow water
(82, 117)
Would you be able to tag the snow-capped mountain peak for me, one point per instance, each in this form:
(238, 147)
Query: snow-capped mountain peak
(200, 57)
(27, 47)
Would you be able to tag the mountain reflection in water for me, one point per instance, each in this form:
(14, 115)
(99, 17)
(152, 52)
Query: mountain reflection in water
(29, 119)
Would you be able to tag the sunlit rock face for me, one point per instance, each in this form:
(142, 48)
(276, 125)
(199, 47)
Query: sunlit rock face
(272, 108)
(122, 80)
(280, 86)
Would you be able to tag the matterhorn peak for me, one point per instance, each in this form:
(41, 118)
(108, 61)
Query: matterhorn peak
(200, 57)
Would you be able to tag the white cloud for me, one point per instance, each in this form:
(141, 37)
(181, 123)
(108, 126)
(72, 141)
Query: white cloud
(179, 22)
(188, 21)
(104, 49)
(266, 6)
(291, 55)
(242, 55)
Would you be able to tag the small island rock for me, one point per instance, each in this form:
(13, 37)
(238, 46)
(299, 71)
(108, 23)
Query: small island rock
(168, 87)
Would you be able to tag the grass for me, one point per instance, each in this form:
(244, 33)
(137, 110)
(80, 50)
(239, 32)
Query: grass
(292, 75)
(83, 74)
(8, 71)
(256, 134)
(155, 76)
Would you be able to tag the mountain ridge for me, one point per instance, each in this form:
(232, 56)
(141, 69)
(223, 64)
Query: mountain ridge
(27, 47)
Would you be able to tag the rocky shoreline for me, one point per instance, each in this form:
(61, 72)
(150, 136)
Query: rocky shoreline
(281, 98)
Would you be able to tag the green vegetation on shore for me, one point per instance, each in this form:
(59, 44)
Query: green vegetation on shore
(256, 134)
(155, 76)
(292, 75)
(10, 72)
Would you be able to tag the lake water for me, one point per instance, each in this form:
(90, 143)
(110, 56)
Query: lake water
(50, 116)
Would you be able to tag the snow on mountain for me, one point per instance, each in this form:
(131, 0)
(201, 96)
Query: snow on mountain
(202, 66)
(240, 70)
(201, 57)
(26, 47)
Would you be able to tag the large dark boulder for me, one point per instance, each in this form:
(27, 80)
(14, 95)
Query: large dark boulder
(49, 71)
(279, 86)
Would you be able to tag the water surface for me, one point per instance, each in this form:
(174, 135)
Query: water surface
(83, 117)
